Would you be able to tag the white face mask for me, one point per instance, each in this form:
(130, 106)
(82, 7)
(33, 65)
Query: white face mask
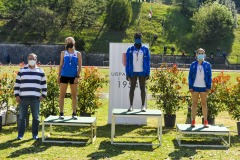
(31, 62)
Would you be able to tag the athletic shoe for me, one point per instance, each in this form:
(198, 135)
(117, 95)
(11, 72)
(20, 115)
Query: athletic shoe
(206, 124)
(35, 138)
(130, 109)
(19, 138)
(143, 109)
(74, 116)
(61, 116)
(193, 123)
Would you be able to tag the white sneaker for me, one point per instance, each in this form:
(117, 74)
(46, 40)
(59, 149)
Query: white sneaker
(74, 116)
(130, 109)
(143, 109)
(61, 116)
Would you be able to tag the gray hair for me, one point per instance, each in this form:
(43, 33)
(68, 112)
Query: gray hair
(33, 54)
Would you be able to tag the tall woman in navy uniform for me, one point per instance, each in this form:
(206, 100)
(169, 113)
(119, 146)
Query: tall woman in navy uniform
(69, 73)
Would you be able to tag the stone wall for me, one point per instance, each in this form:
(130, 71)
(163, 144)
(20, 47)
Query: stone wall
(51, 53)
(15, 53)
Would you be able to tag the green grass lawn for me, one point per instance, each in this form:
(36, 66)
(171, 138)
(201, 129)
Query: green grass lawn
(102, 148)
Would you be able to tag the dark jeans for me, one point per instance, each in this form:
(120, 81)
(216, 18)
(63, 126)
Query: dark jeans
(34, 104)
(133, 82)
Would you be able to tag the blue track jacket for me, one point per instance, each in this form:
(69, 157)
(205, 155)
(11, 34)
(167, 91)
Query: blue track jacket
(129, 61)
(207, 74)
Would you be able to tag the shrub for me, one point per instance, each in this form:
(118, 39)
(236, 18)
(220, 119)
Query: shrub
(166, 88)
(233, 100)
(119, 14)
(212, 23)
(187, 6)
(50, 106)
(217, 96)
(88, 87)
(7, 82)
(80, 43)
(7, 97)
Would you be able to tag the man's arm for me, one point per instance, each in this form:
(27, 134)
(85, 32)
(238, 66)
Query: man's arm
(17, 84)
(44, 86)
(17, 87)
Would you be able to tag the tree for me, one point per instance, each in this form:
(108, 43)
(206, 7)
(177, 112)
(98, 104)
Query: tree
(187, 6)
(232, 7)
(83, 14)
(2, 9)
(119, 14)
(212, 23)
(38, 19)
(230, 4)
(12, 9)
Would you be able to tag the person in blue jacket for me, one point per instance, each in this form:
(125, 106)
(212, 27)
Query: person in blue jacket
(137, 67)
(200, 82)
(69, 73)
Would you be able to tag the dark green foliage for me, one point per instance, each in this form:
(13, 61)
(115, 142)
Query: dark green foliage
(88, 87)
(80, 43)
(165, 87)
(176, 30)
(188, 7)
(87, 19)
(119, 14)
(38, 19)
(212, 23)
(83, 14)
(230, 4)
(50, 106)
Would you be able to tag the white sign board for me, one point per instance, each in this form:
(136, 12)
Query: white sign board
(119, 86)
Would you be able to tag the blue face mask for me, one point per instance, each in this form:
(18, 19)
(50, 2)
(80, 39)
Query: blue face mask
(200, 57)
(138, 41)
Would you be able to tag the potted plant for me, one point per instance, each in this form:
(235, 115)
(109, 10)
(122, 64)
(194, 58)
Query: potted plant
(88, 87)
(1, 115)
(50, 106)
(0, 122)
(7, 82)
(233, 103)
(165, 87)
(216, 97)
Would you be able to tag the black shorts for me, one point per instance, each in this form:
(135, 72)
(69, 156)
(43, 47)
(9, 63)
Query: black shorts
(67, 80)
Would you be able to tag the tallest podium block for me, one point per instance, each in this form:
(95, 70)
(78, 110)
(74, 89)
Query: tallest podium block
(119, 86)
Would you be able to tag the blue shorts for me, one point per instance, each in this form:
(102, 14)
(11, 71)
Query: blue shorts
(199, 89)
(138, 74)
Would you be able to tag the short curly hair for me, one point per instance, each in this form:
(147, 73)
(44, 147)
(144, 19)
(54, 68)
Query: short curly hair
(138, 35)
(33, 54)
